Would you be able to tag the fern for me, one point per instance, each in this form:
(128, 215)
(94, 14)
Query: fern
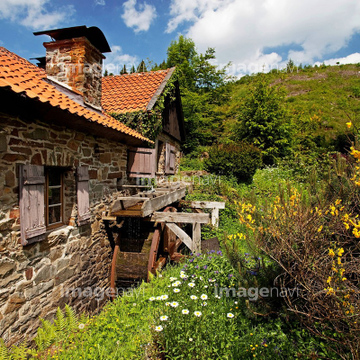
(71, 317)
(20, 352)
(60, 321)
(4, 353)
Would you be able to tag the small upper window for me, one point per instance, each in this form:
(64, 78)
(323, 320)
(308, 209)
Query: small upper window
(54, 203)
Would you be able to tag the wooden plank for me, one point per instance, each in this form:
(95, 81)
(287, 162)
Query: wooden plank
(182, 235)
(215, 217)
(207, 205)
(130, 265)
(150, 206)
(136, 186)
(125, 202)
(197, 237)
(176, 217)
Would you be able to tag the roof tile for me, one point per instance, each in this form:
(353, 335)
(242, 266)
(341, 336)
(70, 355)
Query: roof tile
(130, 92)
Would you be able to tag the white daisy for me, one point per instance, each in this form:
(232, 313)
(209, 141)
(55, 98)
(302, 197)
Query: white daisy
(191, 284)
(174, 304)
(172, 279)
(197, 313)
(81, 326)
(230, 315)
(164, 297)
(193, 297)
(152, 298)
(159, 328)
(176, 290)
(203, 297)
(163, 318)
(185, 311)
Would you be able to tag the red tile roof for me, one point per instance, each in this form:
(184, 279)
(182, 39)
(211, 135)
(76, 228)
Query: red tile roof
(21, 76)
(132, 92)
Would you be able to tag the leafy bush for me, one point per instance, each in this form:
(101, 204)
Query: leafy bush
(239, 161)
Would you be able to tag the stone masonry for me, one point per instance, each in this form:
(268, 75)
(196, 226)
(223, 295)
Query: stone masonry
(33, 277)
(78, 64)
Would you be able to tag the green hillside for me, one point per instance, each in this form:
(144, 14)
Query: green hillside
(320, 100)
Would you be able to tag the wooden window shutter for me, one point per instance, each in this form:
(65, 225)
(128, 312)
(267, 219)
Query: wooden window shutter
(83, 201)
(32, 203)
(170, 157)
(141, 162)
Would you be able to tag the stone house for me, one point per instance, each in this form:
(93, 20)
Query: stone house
(62, 160)
(149, 101)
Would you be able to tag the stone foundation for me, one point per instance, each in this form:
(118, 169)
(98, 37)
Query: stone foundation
(34, 279)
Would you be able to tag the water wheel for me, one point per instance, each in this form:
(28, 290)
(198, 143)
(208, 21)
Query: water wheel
(141, 248)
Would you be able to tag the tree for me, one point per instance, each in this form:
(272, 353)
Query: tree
(106, 73)
(132, 70)
(141, 67)
(264, 121)
(202, 90)
(123, 70)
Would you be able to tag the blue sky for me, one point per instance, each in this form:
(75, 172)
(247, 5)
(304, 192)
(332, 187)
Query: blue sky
(252, 34)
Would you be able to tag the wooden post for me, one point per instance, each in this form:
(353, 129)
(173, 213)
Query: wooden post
(197, 237)
(215, 217)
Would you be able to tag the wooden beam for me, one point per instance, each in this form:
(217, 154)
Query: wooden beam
(175, 217)
(149, 207)
(197, 237)
(207, 205)
(125, 202)
(213, 205)
(182, 235)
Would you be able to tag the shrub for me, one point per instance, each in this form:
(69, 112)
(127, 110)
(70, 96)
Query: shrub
(239, 161)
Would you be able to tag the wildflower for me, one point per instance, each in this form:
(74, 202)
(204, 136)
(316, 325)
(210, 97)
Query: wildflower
(183, 276)
(320, 228)
(328, 280)
(339, 260)
(163, 318)
(193, 297)
(205, 267)
(134, 304)
(152, 298)
(164, 297)
(176, 283)
(176, 290)
(191, 284)
(197, 313)
(185, 311)
(172, 279)
(344, 279)
(158, 298)
(341, 252)
(204, 303)
(174, 304)
(190, 339)
(159, 328)
(203, 297)
(331, 253)
(167, 303)
(81, 326)
(348, 124)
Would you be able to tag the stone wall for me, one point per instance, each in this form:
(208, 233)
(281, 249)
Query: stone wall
(34, 278)
(78, 64)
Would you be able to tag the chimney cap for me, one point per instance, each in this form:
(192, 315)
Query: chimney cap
(93, 34)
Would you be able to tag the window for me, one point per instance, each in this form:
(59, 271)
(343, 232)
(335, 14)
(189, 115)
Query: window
(54, 202)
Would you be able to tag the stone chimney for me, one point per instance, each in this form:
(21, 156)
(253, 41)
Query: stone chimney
(74, 58)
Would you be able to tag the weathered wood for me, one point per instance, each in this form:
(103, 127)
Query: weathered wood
(161, 201)
(113, 273)
(141, 162)
(197, 237)
(182, 235)
(153, 252)
(125, 202)
(207, 204)
(176, 217)
(83, 201)
(32, 202)
(213, 205)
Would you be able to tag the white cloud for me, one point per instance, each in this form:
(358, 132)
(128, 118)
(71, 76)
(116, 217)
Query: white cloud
(100, 2)
(350, 59)
(139, 20)
(116, 60)
(242, 30)
(34, 14)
